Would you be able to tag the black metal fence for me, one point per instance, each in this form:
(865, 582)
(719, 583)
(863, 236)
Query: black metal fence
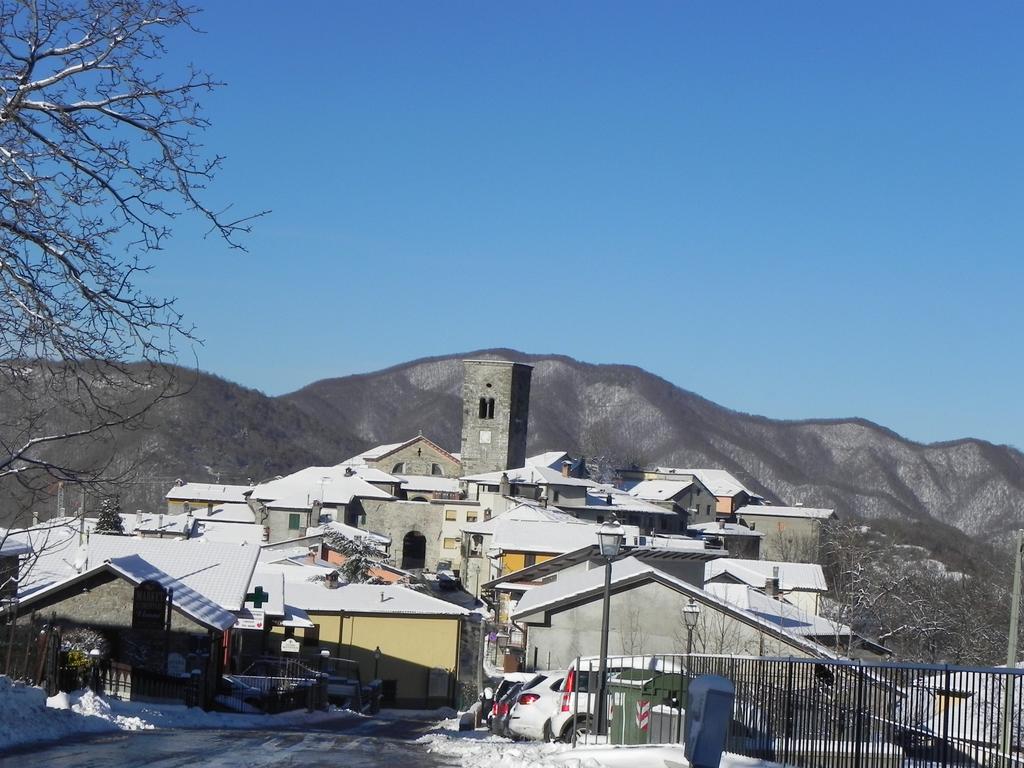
(274, 684)
(813, 713)
(824, 713)
(128, 683)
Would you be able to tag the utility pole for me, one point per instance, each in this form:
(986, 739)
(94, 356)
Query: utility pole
(1011, 648)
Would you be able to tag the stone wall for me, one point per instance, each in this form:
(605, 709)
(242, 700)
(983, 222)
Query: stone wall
(399, 518)
(104, 603)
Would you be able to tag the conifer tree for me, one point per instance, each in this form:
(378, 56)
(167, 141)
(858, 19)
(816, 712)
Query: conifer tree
(109, 520)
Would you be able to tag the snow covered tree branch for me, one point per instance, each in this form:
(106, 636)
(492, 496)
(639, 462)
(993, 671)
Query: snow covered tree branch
(99, 158)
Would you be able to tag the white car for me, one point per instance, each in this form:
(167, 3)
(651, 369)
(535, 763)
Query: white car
(537, 702)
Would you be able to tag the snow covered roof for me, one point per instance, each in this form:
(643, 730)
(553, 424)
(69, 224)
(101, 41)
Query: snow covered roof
(351, 532)
(530, 475)
(371, 454)
(770, 510)
(381, 599)
(792, 576)
(12, 545)
(726, 529)
(296, 617)
(177, 525)
(607, 498)
(218, 571)
(136, 570)
(785, 615)
(381, 451)
(532, 528)
(329, 485)
(429, 483)
(227, 532)
(208, 492)
(719, 481)
(660, 490)
(550, 459)
(372, 474)
(199, 605)
(55, 544)
(227, 513)
(584, 585)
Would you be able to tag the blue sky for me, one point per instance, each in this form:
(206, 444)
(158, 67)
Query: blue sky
(794, 209)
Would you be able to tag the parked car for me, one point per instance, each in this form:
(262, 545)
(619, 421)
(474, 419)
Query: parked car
(536, 703)
(501, 688)
(498, 724)
(575, 714)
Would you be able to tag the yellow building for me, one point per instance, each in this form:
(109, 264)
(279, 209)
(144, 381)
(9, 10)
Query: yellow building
(409, 640)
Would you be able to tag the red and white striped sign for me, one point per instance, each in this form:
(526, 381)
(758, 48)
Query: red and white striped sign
(643, 714)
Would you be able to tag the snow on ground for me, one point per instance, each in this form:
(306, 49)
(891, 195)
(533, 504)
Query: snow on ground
(27, 716)
(479, 749)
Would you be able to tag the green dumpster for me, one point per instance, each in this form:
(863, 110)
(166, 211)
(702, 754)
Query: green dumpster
(645, 707)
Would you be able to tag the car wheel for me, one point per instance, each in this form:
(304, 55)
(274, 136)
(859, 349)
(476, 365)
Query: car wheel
(583, 728)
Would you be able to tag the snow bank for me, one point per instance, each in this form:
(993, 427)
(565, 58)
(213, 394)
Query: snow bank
(27, 716)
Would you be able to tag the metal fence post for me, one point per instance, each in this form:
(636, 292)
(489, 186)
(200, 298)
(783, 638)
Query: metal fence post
(788, 723)
(945, 718)
(859, 722)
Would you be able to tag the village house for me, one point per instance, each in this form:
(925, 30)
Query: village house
(563, 617)
(689, 499)
(790, 533)
(739, 540)
(728, 493)
(163, 606)
(288, 505)
(188, 497)
(802, 584)
(413, 642)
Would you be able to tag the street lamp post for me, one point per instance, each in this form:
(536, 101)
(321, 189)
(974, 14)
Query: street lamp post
(1011, 646)
(609, 537)
(691, 612)
(376, 662)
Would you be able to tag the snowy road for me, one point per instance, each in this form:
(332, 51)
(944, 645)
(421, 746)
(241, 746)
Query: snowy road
(357, 745)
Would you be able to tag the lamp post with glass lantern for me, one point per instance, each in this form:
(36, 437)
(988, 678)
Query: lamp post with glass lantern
(691, 612)
(609, 538)
(376, 662)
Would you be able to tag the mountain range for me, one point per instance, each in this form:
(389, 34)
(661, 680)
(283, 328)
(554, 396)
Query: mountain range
(614, 414)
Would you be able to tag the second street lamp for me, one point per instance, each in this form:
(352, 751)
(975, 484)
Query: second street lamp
(691, 612)
(609, 539)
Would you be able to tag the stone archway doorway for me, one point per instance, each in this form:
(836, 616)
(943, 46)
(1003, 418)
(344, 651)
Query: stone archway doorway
(414, 551)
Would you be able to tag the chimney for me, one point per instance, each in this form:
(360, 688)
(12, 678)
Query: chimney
(332, 580)
(566, 469)
(772, 585)
(608, 499)
(721, 525)
(504, 486)
(544, 502)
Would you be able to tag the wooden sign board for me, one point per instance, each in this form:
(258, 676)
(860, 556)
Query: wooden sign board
(149, 608)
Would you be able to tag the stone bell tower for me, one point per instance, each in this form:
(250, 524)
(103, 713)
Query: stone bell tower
(495, 411)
